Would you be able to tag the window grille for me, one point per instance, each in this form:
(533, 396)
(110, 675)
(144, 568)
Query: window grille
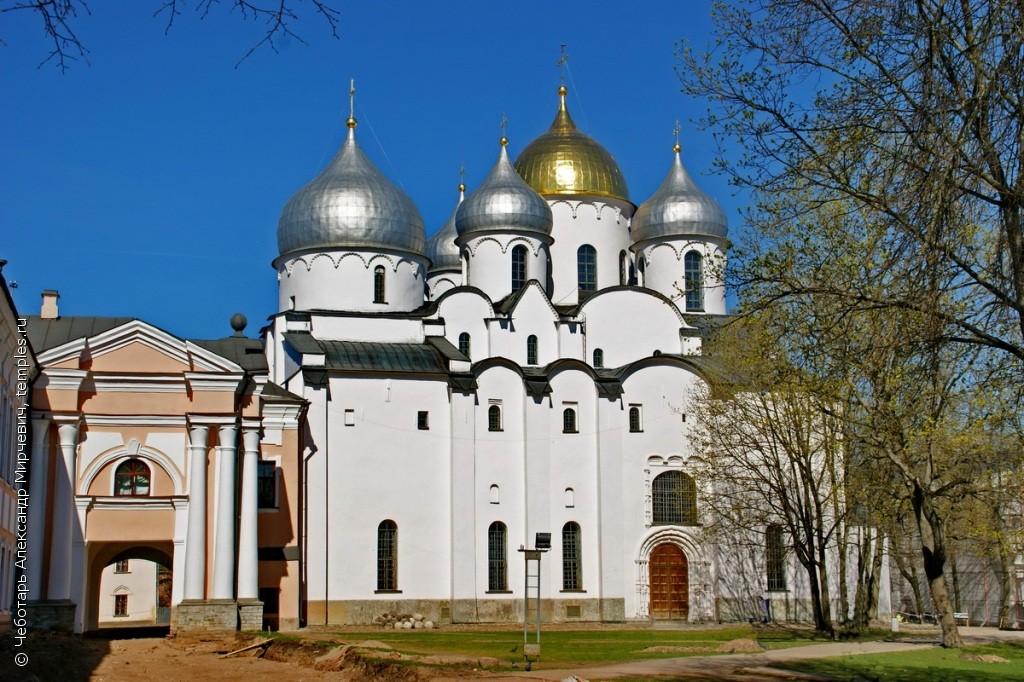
(775, 555)
(518, 267)
(121, 567)
(120, 604)
(598, 358)
(572, 557)
(494, 418)
(387, 556)
(378, 284)
(131, 479)
(497, 558)
(693, 272)
(531, 350)
(464, 344)
(634, 419)
(569, 420)
(586, 268)
(674, 499)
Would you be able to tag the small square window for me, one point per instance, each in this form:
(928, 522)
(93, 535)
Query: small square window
(422, 420)
(121, 567)
(350, 417)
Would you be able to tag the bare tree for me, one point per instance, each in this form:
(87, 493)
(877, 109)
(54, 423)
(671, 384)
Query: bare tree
(59, 19)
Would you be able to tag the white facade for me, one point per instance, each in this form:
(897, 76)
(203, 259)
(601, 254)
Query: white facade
(128, 593)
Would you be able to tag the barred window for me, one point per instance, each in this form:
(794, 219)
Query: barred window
(494, 418)
(378, 284)
(121, 567)
(634, 419)
(120, 604)
(497, 558)
(586, 268)
(693, 274)
(387, 555)
(531, 350)
(518, 267)
(131, 479)
(598, 358)
(464, 344)
(674, 499)
(572, 557)
(775, 555)
(569, 420)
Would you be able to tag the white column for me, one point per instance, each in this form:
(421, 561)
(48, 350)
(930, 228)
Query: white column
(224, 549)
(63, 510)
(248, 547)
(195, 538)
(37, 506)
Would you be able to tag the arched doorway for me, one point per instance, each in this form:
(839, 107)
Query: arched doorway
(108, 558)
(669, 582)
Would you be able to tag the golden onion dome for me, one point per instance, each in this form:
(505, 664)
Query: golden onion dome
(563, 161)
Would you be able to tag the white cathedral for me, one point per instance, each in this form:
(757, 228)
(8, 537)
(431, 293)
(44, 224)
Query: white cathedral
(522, 371)
(414, 413)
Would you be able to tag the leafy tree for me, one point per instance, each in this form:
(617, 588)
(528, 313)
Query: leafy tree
(59, 19)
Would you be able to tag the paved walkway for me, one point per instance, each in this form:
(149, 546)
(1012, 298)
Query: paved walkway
(750, 667)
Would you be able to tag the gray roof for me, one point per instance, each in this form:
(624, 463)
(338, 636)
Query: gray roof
(503, 202)
(241, 350)
(366, 356)
(45, 334)
(679, 208)
(350, 203)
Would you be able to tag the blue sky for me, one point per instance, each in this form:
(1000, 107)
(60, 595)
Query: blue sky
(149, 183)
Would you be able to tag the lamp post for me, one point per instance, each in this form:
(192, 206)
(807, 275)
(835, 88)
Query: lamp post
(541, 544)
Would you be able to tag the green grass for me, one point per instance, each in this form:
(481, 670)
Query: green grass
(564, 648)
(927, 665)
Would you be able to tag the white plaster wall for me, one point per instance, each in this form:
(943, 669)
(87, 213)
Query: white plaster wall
(442, 281)
(387, 330)
(140, 586)
(649, 325)
(664, 271)
(532, 316)
(343, 280)
(602, 223)
(383, 467)
(465, 311)
(490, 261)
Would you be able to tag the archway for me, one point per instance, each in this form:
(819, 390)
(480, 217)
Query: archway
(669, 581)
(147, 579)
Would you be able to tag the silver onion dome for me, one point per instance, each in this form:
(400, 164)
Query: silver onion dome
(441, 248)
(503, 202)
(350, 204)
(679, 208)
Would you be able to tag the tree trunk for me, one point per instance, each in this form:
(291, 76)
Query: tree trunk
(934, 552)
(869, 565)
(844, 596)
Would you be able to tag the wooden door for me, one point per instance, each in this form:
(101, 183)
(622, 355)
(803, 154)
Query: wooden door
(670, 586)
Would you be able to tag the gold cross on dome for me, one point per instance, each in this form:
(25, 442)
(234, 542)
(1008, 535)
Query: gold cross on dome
(563, 60)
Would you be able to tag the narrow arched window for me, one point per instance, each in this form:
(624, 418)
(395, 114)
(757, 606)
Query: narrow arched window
(494, 418)
(518, 267)
(572, 557)
(131, 479)
(598, 358)
(497, 557)
(387, 556)
(586, 268)
(378, 284)
(464, 346)
(775, 557)
(531, 350)
(693, 270)
(623, 268)
(569, 420)
(635, 424)
(674, 499)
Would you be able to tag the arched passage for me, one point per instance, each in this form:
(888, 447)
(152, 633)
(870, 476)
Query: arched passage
(104, 554)
(669, 581)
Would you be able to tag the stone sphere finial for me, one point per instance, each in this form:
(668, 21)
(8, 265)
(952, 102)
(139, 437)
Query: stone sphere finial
(238, 323)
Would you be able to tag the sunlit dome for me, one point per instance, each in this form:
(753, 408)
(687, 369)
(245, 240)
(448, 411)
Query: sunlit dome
(441, 248)
(503, 202)
(350, 204)
(564, 162)
(679, 208)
